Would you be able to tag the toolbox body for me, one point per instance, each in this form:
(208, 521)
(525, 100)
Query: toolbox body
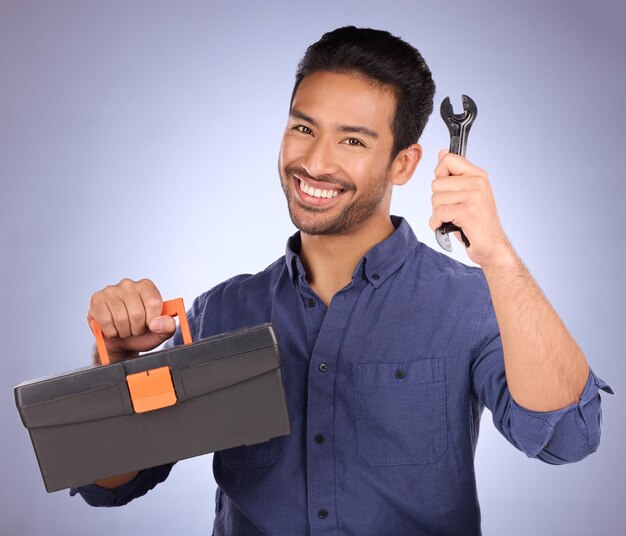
(87, 425)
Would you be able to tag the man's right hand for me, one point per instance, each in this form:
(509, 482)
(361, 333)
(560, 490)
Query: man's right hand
(129, 315)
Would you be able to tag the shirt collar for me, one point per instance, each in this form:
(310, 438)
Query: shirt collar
(376, 265)
(292, 257)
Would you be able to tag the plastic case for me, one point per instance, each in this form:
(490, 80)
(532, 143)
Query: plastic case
(92, 423)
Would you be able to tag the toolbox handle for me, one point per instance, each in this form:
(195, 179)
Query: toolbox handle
(172, 308)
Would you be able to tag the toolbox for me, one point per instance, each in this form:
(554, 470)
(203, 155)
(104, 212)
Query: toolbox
(106, 420)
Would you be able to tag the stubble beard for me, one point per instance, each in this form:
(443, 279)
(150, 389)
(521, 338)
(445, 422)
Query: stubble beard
(357, 212)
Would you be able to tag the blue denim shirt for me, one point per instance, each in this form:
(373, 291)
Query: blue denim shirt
(385, 390)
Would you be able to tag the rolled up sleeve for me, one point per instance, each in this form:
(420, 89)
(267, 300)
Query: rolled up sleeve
(568, 434)
(562, 436)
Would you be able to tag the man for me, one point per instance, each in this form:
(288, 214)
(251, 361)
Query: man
(390, 349)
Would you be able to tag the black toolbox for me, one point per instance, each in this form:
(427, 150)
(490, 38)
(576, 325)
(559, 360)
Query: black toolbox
(93, 423)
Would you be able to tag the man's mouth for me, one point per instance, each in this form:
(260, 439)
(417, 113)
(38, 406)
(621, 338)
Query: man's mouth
(318, 192)
(311, 195)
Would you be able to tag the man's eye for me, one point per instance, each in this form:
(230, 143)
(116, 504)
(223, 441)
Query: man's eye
(303, 129)
(355, 142)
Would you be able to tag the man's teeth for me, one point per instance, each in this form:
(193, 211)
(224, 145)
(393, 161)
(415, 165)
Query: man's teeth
(316, 192)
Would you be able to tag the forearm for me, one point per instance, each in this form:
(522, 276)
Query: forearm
(545, 368)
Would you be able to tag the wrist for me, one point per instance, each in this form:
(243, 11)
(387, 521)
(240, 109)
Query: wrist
(116, 481)
(503, 260)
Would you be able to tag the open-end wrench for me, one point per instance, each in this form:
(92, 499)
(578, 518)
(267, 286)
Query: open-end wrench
(459, 126)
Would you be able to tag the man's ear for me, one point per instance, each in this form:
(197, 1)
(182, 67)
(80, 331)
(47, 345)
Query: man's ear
(404, 164)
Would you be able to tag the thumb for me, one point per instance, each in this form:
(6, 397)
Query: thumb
(443, 153)
(162, 325)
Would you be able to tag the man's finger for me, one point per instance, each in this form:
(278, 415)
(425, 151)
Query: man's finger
(152, 300)
(99, 311)
(447, 213)
(163, 325)
(453, 164)
(119, 314)
(455, 184)
(136, 312)
(448, 198)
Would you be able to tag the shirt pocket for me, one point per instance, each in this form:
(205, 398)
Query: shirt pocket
(400, 412)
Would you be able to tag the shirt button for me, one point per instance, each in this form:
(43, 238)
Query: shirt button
(323, 514)
(319, 439)
(376, 277)
(310, 302)
(400, 374)
(323, 367)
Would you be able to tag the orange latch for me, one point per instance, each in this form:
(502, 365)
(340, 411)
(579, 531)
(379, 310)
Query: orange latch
(151, 389)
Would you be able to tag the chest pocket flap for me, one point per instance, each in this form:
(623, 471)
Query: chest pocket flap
(400, 411)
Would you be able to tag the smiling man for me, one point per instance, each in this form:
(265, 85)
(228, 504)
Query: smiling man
(391, 350)
(337, 170)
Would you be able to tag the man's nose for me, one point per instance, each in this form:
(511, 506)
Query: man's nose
(320, 159)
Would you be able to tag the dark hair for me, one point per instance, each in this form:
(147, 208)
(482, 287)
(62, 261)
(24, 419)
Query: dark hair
(384, 59)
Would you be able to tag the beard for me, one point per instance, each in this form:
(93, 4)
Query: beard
(316, 221)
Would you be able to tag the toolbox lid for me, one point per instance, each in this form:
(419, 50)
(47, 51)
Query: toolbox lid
(101, 391)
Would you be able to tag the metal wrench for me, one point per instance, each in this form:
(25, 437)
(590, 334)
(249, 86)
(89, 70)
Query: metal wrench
(459, 126)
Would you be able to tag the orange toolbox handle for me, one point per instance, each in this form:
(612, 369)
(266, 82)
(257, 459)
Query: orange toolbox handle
(175, 307)
(151, 389)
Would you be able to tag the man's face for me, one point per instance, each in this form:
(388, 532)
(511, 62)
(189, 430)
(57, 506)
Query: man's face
(334, 156)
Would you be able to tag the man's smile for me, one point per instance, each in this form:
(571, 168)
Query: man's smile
(311, 193)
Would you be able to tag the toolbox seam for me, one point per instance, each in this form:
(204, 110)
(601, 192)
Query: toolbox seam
(226, 357)
(70, 396)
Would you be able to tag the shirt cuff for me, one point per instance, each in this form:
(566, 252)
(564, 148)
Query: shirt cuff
(145, 480)
(567, 434)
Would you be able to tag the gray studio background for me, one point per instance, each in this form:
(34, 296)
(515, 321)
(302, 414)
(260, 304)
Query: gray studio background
(140, 139)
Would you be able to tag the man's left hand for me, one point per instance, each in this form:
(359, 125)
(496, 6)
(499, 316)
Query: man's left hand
(462, 195)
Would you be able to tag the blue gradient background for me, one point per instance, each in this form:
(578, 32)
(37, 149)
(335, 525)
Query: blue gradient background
(140, 139)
